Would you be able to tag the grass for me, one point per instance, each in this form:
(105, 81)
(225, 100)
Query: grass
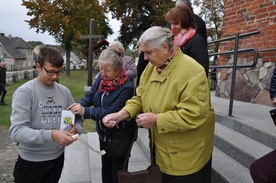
(75, 82)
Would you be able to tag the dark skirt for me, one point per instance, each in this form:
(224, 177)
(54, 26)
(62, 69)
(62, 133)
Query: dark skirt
(264, 169)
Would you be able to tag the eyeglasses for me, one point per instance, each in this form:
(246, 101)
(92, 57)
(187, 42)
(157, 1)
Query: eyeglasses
(51, 73)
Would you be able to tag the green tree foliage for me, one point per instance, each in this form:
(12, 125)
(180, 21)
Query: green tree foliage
(212, 12)
(67, 20)
(35, 43)
(138, 15)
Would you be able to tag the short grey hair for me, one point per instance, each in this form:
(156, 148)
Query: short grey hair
(181, 2)
(117, 46)
(156, 36)
(110, 56)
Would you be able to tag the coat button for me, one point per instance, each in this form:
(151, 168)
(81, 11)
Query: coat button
(162, 129)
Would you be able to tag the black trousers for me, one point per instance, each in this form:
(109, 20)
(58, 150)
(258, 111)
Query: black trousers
(34, 172)
(110, 167)
(3, 93)
(202, 176)
(264, 169)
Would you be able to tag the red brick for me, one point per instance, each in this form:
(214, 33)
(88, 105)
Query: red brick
(261, 16)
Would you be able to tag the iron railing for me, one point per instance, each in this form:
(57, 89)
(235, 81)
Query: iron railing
(235, 52)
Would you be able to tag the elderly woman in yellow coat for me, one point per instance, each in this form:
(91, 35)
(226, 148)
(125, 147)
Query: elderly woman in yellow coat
(173, 100)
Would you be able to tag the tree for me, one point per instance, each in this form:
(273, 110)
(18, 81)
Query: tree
(137, 16)
(212, 12)
(35, 43)
(67, 20)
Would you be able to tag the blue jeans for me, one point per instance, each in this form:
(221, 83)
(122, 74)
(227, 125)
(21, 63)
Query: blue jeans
(38, 172)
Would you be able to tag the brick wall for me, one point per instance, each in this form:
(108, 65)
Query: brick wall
(246, 16)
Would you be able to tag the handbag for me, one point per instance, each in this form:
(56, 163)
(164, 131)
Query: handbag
(118, 141)
(150, 175)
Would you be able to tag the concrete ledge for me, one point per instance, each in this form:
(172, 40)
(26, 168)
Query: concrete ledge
(137, 161)
(76, 164)
(225, 168)
(143, 142)
(217, 178)
(95, 159)
(241, 148)
(86, 89)
(229, 169)
(248, 128)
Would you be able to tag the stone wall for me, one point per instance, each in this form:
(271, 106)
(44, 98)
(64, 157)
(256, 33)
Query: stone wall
(246, 16)
(251, 85)
(14, 76)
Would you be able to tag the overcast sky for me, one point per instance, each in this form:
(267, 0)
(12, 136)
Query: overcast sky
(12, 22)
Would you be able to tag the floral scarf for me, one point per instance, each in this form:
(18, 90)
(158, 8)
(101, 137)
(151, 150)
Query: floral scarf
(113, 85)
(160, 69)
(183, 36)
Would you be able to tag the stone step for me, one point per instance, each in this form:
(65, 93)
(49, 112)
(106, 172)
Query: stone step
(84, 166)
(228, 166)
(228, 170)
(261, 130)
(143, 142)
(252, 126)
(94, 159)
(76, 165)
(238, 146)
(137, 161)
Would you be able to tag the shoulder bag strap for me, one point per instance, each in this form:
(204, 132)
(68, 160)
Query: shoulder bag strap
(129, 149)
(151, 146)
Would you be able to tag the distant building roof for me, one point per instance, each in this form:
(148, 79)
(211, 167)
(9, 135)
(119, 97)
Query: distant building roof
(100, 43)
(99, 46)
(19, 43)
(10, 47)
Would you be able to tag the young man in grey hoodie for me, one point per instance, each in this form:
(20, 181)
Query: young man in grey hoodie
(36, 120)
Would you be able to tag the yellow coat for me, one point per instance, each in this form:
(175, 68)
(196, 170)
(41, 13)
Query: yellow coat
(180, 97)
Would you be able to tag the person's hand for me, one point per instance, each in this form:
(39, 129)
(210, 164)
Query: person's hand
(273, 101)
(146, 120)
(73, 130)
(111, 120)
(76, 108)
(63, 138)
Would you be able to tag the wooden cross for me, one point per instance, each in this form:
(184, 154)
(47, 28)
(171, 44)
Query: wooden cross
(91, 36)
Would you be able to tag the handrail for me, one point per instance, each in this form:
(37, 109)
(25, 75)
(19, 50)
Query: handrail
(239, 51)
(233, 37)
(266, 50)
(235, 66)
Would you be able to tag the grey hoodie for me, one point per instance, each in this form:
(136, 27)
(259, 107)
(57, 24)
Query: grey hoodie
(36, 111)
